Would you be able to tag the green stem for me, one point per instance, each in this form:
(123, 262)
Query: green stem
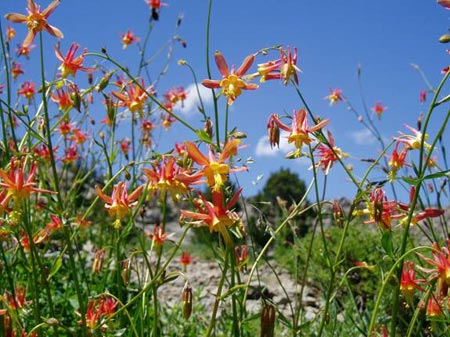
(218, 294)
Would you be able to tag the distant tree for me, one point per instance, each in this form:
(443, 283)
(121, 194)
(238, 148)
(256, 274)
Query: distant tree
(281, 191)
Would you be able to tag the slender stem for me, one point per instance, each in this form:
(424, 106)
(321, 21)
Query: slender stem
(218, 294)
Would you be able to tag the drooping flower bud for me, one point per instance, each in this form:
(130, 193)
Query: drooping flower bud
(241, 255)
(268, 315)
(274, 131)
(187, 301)
(126, 271)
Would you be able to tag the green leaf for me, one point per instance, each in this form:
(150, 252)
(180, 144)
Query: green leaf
(386, 243)
(56, 266)
(203, 135)
(441, 174)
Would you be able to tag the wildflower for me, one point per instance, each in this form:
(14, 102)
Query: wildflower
(335, 96)
(397, 161)
(36, 21)
(79, 137)
(16, 70)
(71, 154)
(267, 71)
(27, 90)
(62, 98)
(175, 95)
(434, 307)
(134, 97)
(241, 256)
(65, 127)
(125, 147)
(413, 141)
(167, 121)
(97, 264)
(408, 282)
(380, 210)
(232, 83)
(129, 38)
(444, 3)
(441, 268)
(329, 154)
(167, 176)
(185, 259)
(70, 65)
(289, 65)
(423, 96)
(24, 51)
(274, 131)
(299, 129)
(215, 215)
(379, 108)
(155, 6)
(159, 236)
(10, 33)
(338, 214)
(214, 167)
(107, 306)
(119, 203)
(18, 186)
(17, 301)
(92, 315)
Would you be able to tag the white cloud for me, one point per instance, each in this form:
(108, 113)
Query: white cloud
(263, 148)
(363, 137)
(192, 101)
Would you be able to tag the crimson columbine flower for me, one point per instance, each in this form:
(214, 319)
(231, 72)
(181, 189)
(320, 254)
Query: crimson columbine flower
(185, 259)
(155, 6)
(119, 203)
(299, 131)
(134, 97)
(175, 95)
(18, 186)
(24, 50)
(159, 236)
(129, 38)
(214, 168)
(289, 67)
(71, 64)
(441, 267)
(397, 160)
(27, 90)
(10, 33)
(36, 21)
(423, 96)
(444, 3)
(329, 154)
(232, 83)
(335, 96)
(408, 282)
(16, 70)
(215, 215)
(62, 98)
(413, 141)
(167, 176)
(379, 108)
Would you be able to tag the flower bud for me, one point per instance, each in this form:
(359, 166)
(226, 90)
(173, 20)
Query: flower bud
(187, 301)
(444, 38)
(104, 82)
(241, 255)
(338, 214)
(268, 321)
(208, 127)
(274, 131)
(126, 271)
(75, 97)
(98, 261)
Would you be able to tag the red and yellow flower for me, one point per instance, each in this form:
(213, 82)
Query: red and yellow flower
(214, 167)
(71, 64)
(232, 82)
(36, 21)
(119, 204)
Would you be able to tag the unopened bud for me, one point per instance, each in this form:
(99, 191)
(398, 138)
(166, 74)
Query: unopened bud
(338, 214)
(104, 82)
(208, 127)
(75, 97)
(268, 321)
(187, 301)
(444, 38)
(274, 131)
(182, 62)
(90, 78)
(241, 255)
(126, 271)
(98, 261)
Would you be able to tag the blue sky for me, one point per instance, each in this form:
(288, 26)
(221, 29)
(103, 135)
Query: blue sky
(333, 38)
